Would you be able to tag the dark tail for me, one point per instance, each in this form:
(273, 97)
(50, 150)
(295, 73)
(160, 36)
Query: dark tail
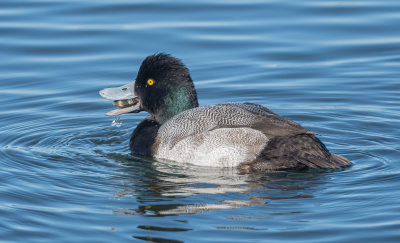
(296, 152)
(339, 161)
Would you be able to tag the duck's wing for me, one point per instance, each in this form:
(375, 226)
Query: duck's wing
(228, 115)
(266, 121)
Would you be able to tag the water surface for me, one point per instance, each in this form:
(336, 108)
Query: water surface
(66, 173)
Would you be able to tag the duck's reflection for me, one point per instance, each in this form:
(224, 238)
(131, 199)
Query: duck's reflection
(169, 189)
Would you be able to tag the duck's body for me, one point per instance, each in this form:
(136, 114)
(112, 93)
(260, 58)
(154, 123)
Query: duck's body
(232, 134)
(247, 135)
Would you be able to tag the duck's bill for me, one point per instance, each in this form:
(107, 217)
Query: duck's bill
(123, 97)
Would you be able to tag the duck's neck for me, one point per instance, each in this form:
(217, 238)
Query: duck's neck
(175, 102)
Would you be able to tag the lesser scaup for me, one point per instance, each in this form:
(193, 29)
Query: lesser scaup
(246, 135)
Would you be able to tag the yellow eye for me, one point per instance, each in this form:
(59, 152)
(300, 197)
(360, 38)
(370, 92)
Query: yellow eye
(150, 81)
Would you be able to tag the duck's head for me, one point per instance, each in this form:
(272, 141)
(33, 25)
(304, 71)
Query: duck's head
(163, 87)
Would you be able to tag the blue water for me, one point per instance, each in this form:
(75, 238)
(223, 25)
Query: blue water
(66, 174)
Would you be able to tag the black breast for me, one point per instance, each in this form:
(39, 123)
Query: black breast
(143, 138)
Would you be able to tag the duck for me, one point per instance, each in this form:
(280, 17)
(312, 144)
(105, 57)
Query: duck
(247, 136)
